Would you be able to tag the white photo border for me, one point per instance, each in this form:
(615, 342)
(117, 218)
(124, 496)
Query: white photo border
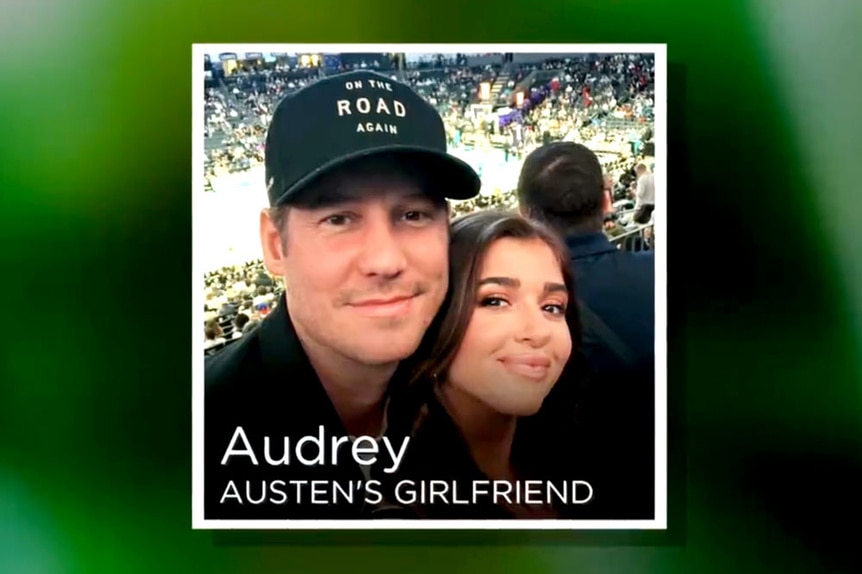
(198, 288)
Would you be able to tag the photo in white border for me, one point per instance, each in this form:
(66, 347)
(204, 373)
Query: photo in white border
(199, 268)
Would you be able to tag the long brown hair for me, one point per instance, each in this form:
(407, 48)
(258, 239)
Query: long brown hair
(470, 239)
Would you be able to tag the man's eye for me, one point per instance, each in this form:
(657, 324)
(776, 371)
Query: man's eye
(416, 216)
(337, 220)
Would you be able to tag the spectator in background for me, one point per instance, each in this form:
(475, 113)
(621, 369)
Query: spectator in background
(612, 226)
(263, 298)
(644, 194)
(608, 182)
(239, 323)
(562, 185)
(246, 305)
(213, 334)
(209, 314)
(263, 280)
(230, 307)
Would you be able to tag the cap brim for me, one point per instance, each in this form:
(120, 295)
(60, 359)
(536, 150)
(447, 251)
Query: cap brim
(444, 174)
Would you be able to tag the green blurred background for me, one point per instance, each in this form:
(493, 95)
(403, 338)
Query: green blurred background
(765, 285)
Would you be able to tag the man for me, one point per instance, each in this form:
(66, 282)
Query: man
(634, 143)
(612, 227)
(608, 188)
(357, 176)
(644, 194)
(562, 185)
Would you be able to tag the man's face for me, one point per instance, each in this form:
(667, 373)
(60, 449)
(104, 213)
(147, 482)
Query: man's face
(364, 276)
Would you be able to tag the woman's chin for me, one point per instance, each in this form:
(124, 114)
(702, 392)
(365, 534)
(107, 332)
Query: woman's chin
(521, 409)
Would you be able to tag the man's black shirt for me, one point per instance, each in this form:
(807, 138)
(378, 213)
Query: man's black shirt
(265, 384)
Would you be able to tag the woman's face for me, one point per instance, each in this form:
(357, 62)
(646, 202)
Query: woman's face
(517, 341)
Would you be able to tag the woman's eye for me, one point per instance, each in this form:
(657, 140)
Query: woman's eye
(555, 309)
(493, 302)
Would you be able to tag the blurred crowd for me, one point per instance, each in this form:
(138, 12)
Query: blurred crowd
(609, 93)
(237, 298)
(604, 102)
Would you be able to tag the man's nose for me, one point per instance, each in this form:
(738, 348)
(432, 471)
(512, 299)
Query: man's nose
(381, 254)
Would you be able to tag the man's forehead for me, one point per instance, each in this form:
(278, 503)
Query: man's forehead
(363, 188)
(378, 186)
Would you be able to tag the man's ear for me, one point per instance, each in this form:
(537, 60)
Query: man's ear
(272, 244)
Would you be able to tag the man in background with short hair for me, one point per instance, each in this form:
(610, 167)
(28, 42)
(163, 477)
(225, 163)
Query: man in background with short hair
(562, 185)
(644, 194)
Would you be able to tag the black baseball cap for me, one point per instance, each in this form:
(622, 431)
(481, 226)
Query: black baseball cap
(345, 117)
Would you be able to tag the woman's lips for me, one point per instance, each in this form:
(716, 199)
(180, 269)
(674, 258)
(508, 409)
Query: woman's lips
(532, 366)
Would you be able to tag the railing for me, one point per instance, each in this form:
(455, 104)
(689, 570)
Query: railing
(641, 238)
(611, 122)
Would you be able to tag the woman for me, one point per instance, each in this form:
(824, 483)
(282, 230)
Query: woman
(495, 396)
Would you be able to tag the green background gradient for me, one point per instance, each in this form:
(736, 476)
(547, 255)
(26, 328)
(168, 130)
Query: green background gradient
(765, 285)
